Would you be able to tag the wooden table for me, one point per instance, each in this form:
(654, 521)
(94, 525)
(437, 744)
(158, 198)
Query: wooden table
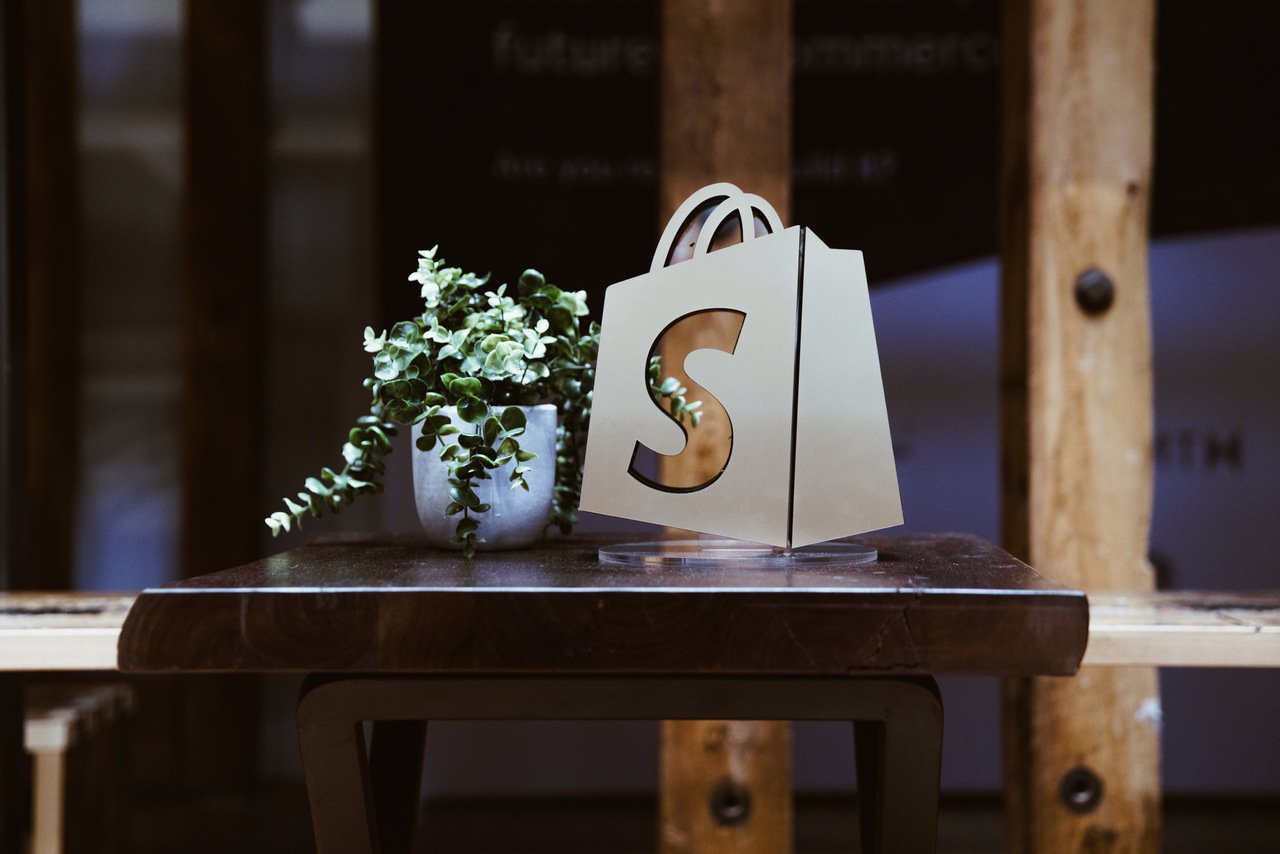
(397, 634)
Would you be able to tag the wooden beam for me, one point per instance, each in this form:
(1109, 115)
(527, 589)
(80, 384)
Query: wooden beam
(725, 106)
(50, 207)
(13, 762)
(224, 301)
(225, 104)
(13, 290)
(725, 116)
(725, 99)
(1081, 755)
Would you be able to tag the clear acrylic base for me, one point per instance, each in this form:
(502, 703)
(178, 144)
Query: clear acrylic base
(711, 552)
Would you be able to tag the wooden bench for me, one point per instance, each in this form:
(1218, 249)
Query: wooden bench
(79, 631)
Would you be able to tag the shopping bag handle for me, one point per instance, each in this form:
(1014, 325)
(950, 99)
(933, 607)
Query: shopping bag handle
(722, 200)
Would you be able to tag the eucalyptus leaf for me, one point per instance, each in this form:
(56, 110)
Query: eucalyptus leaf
(472, 409)
(513, 418)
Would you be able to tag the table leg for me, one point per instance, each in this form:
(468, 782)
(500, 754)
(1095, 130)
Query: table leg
(898, 728)
(335, 763)
(898, 760)
(395, 767)
(868, 758)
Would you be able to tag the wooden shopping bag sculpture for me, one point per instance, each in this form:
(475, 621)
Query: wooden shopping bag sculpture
(811, 458)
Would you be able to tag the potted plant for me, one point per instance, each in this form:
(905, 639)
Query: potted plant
(468, 375)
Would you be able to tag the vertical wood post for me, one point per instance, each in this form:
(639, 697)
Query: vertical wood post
(13, 760)
(225, 106)
(50, 208)
(225, 98)
(39, 334)
(725, 103)
(725, 116)
(12, 305)
(1081, 754)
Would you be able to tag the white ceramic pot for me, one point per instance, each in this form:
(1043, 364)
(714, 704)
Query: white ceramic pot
(515, 518)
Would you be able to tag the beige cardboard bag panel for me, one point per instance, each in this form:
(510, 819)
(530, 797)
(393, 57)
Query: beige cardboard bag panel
(811, 458)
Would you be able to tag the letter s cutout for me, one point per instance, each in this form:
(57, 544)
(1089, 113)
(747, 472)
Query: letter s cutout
(632, 469)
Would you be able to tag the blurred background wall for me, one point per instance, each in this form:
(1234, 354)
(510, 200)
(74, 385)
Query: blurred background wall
(517, 134)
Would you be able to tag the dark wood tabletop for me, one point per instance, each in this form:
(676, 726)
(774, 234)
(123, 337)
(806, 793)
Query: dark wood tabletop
(931, 604)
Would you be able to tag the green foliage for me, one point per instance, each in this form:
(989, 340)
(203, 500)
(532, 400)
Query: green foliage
(480, 350)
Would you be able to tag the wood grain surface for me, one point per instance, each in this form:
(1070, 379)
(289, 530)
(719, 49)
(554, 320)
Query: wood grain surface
(1077, 411)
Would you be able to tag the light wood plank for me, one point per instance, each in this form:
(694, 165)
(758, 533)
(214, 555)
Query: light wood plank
(58, 649)
(726, 116)
(1185, 630)
(60, 631)
(1077, 409)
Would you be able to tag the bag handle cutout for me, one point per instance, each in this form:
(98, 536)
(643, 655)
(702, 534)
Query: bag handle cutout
(712, 206)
